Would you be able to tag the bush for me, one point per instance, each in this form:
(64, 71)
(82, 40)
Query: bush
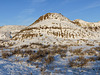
(39, 55)
(1, 46)
(5, 55)
(78, 62)
(16, 52)
(24, 46)
(76, 51)
(98, 58)
(49, 59)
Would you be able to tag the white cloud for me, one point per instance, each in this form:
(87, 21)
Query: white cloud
(93, 5)
(38, 1)
(90, 6)
(68, 1)
(28, 11)
(27, 21)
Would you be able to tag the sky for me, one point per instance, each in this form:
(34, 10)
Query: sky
(25, 12)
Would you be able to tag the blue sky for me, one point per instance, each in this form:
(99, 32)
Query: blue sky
(25, 12)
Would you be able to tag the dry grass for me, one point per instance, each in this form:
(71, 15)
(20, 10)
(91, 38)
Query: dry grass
(47, 55)
(1, 46)
(90, 52)
(38, 55)
(98, 58)
(49, 59)
(77, 52)
(24, 46)
(6, 55)
(89, 44)
(78, 62)
(97, 48)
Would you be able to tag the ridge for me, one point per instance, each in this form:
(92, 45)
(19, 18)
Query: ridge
(58, 16)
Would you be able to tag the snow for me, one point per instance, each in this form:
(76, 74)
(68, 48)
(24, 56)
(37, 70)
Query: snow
(14, 68)
(8, 31)
(84, 39)
(72, 31)
(86, 24)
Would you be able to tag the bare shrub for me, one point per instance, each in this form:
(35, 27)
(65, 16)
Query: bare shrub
(24, 46)
(98, 58)
(45, 46)
(77, 51)
(5, 55)
(16, 52)
(33, 57)
(78, 62)
(29, 52)
(63, 55)
(97, 48)
(1, 46)
(89, 44)
(91, 59)
(39, 55)
(90, 52)
(49, 59)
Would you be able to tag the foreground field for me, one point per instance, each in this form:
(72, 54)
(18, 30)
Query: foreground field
(54, 60)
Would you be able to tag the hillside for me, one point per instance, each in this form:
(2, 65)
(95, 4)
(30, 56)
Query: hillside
(54, 29)
(93, 26)
(8, 31)
(52, 45)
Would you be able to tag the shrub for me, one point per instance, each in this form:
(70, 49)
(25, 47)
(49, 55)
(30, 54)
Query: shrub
(78, 62)
(33, 57)
(39, 55)
(29, 52)
(16, 52)
(91, 59)
(89, 44)
(98, 58)
(1, 46)
(63, 55)
(76, 51)
(97, 48)
(49, 59)
(5, 55)
(90, 52)
(24, 46)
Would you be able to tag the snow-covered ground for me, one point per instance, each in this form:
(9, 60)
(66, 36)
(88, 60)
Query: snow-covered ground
(74, 45)
(8, 31)
(17, 65)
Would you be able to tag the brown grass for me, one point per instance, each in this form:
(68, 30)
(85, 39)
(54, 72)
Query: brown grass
(6, 55)
(78, 62)
(77, 52)
(1, 46)
(49, 59)
(98, 58)
(89, 44)
(90, 52)
(97, 48)
(24, 46)
(39, 55)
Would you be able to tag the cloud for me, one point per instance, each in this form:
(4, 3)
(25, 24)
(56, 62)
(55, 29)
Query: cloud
(90, 6)
(68, 1)
(27, 21)
(38, 1)
(94, 5)
(28, 11)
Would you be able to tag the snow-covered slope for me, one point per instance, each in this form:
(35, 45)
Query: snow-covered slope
(86, 24)
(52, 29)
(52, 45)
(93, 26)
(6, 32)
